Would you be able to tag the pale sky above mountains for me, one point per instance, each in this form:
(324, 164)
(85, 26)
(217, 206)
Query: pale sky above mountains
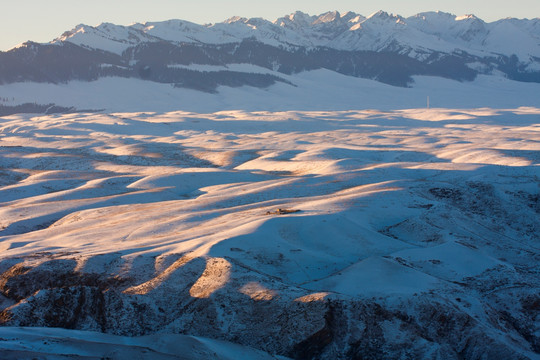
(43, 21)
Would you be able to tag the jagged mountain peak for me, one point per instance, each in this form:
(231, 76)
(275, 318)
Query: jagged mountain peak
(468, 17)
(258, 21)
(68, 33)
(298, 19)
(328, 17)
(250, 23)
(382, 18)
(381, 14)
(349, 15)
(356, 19)
(171, 22)
(434, 16)
(235, 19)
(108, 25)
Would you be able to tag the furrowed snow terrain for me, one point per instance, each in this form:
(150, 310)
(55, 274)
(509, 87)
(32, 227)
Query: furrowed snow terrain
(416, 235)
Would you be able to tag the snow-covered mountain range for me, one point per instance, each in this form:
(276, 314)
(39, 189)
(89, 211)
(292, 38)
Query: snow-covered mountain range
(417, 36)
(384, 47)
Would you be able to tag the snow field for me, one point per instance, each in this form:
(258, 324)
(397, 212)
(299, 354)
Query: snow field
(394, 206)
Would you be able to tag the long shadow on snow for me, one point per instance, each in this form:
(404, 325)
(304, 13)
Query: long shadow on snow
(283, 245)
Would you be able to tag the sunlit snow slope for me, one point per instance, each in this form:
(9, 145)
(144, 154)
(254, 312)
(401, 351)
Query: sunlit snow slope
(417, 230)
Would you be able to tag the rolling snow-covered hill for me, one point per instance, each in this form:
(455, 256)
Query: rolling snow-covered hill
(416, 235)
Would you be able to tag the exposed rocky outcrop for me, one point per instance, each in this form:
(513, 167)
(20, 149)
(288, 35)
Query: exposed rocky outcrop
(286, 321)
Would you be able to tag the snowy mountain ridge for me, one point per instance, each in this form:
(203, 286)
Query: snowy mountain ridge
(258, 53)
(381, 31)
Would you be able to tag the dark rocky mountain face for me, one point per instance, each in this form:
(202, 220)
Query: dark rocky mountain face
(60, 63)
(53, 63)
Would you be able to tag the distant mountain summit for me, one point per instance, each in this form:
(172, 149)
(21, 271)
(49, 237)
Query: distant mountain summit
(382, 46)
